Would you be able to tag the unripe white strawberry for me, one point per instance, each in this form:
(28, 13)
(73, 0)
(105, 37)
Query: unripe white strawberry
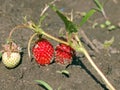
(11, 55)
(11, 60)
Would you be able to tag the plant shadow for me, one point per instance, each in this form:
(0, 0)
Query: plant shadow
(77, 61)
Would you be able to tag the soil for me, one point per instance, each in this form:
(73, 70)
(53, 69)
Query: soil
(82, 75)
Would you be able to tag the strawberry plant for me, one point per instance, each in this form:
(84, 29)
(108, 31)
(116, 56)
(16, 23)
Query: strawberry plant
(43, 51)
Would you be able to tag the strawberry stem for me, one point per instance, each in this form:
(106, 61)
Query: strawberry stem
(41, 31)
(54, 38)
(10, 34)
(29, 42)
(109, 85)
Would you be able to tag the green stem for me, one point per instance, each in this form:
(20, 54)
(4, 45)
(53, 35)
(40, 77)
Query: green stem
(54, 38)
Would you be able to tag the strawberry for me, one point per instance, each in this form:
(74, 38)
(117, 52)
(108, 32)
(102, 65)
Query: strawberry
(43, 52)
(11, 60)
(64, 54)
(11, 56)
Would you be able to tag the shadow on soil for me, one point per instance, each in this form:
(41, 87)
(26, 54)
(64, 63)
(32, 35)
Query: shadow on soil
(77, 61)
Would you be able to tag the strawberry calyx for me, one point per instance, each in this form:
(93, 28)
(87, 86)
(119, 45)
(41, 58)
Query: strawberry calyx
(11, 47)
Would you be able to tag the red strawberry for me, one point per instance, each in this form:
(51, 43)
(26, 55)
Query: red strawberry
(64, 54)
(43, 52)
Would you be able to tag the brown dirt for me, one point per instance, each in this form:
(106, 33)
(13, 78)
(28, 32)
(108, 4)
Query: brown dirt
(82, 75)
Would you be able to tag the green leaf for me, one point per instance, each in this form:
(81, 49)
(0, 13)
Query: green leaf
(65, 72)
(108, 43)
(94, 25)
(70, 26)
(102, 26)
(87, 16)
(47, 86)
(112, 27)
(98, 4)
(25, 19)
(107, 22)
(42, 18)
